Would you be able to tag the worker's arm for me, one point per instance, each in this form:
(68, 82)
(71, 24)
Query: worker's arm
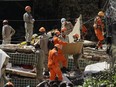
(12, 31)
(3, 32)
(28, 18)
(59, 41)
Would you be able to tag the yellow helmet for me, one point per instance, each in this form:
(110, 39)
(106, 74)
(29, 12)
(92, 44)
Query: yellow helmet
(34, 36)
(101, 13)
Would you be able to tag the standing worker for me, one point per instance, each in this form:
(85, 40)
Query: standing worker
(29, 24)
(64, 37)
(66, 24)
(53, 63)
(63, 60)
(99, 29)
(7, 32)
(44, 46)
(77, 55)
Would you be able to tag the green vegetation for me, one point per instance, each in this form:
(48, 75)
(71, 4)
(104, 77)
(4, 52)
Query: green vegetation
(101, 79)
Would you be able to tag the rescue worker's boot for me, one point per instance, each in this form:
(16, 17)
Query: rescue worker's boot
(46, 73)
(37, 46)
(101, 47)
(64, 70)
(28, 43)
(96, 48)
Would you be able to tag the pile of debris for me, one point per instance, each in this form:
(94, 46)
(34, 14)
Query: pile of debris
(94, 55)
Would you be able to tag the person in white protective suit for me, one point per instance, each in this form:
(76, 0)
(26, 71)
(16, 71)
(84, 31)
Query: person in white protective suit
(7, 32)
(29, 24)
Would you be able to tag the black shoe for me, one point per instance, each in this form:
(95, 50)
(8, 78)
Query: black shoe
(64, 70)
(101, 47)
(46, 73)
(37, 46)
(28, 43)
(96, 48)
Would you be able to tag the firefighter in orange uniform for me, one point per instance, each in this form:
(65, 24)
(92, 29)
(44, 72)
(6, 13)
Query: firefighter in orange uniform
(56, 38)
(99, 29)
(53, 63)
(62, 58)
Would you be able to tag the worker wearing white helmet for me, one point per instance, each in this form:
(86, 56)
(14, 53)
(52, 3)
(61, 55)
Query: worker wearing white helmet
(63, 20)
(7, 32)
(29, 24)
(66, 24)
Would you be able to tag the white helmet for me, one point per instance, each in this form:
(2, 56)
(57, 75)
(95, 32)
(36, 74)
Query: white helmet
(63, 20)
(5, 21)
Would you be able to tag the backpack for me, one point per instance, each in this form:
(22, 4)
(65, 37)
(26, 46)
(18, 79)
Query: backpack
(50, 43)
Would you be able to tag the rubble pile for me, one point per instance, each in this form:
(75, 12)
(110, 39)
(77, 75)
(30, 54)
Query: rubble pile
(95, 55)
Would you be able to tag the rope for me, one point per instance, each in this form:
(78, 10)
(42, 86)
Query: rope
(88, 20)
(106, 4)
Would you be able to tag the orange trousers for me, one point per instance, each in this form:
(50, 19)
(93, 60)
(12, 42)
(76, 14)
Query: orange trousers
(55, 71)
(100, 37)
(62, 60)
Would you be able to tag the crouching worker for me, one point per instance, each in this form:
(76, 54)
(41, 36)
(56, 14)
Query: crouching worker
(53, 63)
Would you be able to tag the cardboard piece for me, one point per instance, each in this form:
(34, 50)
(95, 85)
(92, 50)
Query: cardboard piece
(20, 72)
(73, 48)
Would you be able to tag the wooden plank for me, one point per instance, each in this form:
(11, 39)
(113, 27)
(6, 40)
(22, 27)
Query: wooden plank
(20, 72)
